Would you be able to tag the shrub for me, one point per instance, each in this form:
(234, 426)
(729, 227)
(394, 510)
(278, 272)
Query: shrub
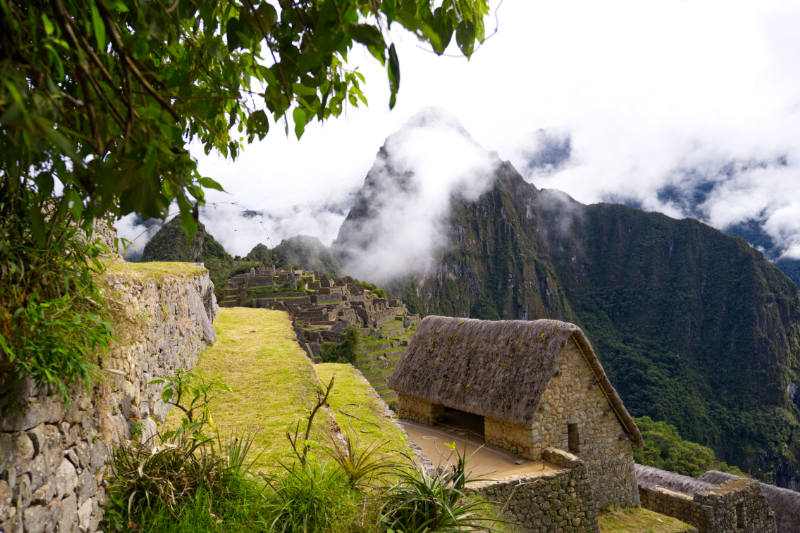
(52, 312)
(420, 502)
(148, 480)
(343, 351)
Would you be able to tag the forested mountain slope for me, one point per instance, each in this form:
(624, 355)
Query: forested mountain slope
(693, 326)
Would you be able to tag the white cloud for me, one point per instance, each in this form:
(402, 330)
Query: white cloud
(641, 88)
(428, 161)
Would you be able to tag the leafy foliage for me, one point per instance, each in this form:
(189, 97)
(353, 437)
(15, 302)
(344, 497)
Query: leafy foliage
(52, 317)
(146, 477)
(99, 100)
(343, 351)
(665, 449)
(105, 94)
(420, 502)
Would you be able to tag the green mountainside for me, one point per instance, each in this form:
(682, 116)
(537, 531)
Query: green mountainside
(694, 327)
(307, 253)
(170, 244)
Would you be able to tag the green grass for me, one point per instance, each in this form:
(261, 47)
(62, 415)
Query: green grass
(273, 380)
(156, 269)
(351, 395)
(639, 521)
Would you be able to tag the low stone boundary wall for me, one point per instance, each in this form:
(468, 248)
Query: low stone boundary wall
(555, 503)
(736, 506)
(52, 457)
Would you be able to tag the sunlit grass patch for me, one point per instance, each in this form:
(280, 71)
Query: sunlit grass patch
(357, 409)
(154, 269)
(272, 380)
(639, 520)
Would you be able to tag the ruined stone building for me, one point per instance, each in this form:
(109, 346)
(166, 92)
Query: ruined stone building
(527, 386)
(321, 308)
(720, 503)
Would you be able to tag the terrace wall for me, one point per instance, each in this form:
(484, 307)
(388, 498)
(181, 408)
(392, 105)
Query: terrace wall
(52, 456)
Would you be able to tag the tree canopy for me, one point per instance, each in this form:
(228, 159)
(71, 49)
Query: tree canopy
(105, 95)
(100, 99)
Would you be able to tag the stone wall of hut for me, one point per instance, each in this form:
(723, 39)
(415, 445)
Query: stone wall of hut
(574, 397)
(510, 436)
(417, 409)
(735, 507)
(554, 503)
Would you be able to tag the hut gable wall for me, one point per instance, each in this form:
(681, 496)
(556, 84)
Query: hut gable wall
(573, 396)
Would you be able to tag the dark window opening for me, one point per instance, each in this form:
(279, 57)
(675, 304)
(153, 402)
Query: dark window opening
(740, 515)
(572, 438)
(462, 422)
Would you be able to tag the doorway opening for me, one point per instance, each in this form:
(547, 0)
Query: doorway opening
(462, 422)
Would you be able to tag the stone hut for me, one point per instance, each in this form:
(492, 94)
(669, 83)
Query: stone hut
(528, 385)
(728, 505)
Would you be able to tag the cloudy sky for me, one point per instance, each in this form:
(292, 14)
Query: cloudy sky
(695, 97)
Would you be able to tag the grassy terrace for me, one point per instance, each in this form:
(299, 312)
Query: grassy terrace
(639, 521)
(154, 270)
(274, 385)
(273, 381)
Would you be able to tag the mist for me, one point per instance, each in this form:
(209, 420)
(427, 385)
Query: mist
(398, 220)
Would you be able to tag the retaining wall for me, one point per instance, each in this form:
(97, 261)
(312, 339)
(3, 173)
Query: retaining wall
(52, 457)
(555, 503)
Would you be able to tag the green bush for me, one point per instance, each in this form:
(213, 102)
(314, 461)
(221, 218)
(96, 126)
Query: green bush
(419, 502)
(343, 351)
(665, 449)
(52, 313)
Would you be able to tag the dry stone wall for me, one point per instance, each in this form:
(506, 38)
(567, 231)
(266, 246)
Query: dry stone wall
(52, 457)
(555, 503)
(735, 506)
(574, 397)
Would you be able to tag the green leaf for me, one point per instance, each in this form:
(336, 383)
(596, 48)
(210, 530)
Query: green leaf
(393, 68)
(37, 224)
(368, 35)
(99, 28)
(465, 37)
(48, 25)
(44, 182)
(300, 119)
(210, 183)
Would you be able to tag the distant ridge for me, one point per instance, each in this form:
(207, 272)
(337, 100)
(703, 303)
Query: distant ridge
(694, 327)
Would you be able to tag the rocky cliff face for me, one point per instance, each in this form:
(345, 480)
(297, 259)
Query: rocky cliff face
(693, 326)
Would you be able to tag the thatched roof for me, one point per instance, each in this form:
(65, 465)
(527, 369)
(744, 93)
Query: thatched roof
(784, 502)
(652, 478)
(494, 368)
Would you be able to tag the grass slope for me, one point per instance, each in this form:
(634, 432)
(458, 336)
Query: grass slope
(358, 410)
(273, 381)
(274, 384)
(640, 521)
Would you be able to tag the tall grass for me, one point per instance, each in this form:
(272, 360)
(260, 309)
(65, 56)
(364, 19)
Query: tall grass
(193, 483)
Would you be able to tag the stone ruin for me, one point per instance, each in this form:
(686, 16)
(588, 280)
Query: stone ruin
(730, 505)
(322, 308)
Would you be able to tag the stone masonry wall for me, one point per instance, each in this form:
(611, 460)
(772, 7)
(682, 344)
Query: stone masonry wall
(417, 409)
(509, 436)
(52, 457)
(573, 396)
(735, 507)
(555, 503)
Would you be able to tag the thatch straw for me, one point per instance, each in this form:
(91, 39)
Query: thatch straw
(784, 502)
(651, 478)
(494, 368)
